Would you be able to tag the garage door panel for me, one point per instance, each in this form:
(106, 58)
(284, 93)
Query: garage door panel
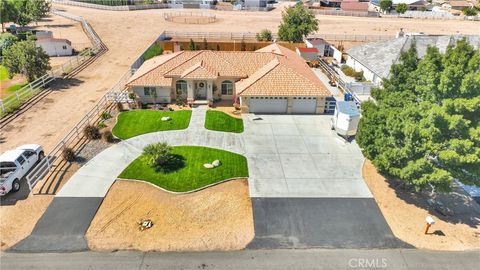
(306, 105)
(268, 105)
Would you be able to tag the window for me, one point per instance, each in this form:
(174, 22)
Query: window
(28, 153)
(149, 91)
(227, 88)
(64, 47)
(181, 87)
(20, 160)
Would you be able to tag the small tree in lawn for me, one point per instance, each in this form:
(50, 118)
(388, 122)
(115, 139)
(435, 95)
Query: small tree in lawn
(25, 58)
(401, 8)
(160, 157)
(191, 45)
(386, 5)
(297, 23)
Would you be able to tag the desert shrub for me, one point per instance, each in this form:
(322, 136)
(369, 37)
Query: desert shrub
(107, 136)
(68, 154)
(105, 115)
(91, 132)
(264, 35)
(160, 157)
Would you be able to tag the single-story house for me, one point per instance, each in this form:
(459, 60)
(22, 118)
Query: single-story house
(53, 46)
(322, 46)
(255, 4)
(412, 4)
(309, 54)
(457, 5)
(273, 79)
(376, 58)
(354, 5)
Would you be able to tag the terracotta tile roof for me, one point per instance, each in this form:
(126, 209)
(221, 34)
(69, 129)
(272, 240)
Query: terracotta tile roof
(272, 70)
(199, 71)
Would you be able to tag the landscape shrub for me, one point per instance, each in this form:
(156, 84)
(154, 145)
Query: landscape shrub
(264, 35)
(101, 125)
(105, 115)
(91, 132)
(358, 75)
(107, 136)
(68, 154)
(160, 157)
(153, 51)
(119, 106)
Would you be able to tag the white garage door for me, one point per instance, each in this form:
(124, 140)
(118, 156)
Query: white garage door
(304, 105)
(268, 104)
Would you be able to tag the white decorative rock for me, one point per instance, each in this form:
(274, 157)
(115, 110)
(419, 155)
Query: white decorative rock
(166, 118)
(208, 166)
(216, 163)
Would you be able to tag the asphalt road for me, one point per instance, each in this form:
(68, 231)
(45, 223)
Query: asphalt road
(248, 259)
(320, 223)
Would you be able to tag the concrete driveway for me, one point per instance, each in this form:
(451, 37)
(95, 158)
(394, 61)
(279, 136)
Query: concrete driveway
(299, 156)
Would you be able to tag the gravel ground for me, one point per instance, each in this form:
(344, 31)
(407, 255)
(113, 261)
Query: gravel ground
(216, 218)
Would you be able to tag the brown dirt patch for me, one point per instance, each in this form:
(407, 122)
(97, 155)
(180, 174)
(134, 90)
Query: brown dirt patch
(4, 85)
(405, 213)
(217, 218)
(226, 106)
(17, 220)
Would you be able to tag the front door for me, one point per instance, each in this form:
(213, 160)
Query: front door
(201, 90)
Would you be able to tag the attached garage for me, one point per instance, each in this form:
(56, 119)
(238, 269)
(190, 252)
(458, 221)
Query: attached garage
(268, 104)
(304, 105)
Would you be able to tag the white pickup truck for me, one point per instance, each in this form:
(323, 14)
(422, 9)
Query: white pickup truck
(14, 164)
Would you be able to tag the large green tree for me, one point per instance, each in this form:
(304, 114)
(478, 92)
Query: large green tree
(25, 58)
(424, 125)
(386, 5)
(297, 23)
(401, 8)
(7, 12)
(6, 40)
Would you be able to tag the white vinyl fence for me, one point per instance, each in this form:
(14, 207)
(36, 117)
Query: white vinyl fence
(112, 8)
(106, 103)
(16, 99)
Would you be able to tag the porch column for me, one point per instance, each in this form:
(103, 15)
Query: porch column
(209, 90)
(190, 91)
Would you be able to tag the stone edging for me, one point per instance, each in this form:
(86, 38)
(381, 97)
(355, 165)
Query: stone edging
(186, 192)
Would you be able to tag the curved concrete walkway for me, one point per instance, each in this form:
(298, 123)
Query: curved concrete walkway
(95, 178)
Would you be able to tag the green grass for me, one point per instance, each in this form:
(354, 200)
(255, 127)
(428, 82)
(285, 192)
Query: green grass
(221, 121)
(15, 87)
(3, 73)
(134, 123)
(193, 175)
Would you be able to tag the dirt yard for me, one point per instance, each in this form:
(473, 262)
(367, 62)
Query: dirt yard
(405, 213)
(18, 217)
(217, 218)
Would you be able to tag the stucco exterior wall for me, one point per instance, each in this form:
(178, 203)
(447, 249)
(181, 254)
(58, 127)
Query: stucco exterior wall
(163, 95)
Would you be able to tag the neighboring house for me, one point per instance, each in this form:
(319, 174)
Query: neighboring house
(330, 3)
(273, 79)
(353, 5)
(412, 4)
(308, 54)
(457, 5)
(320, 44)
(255, 4)
(53, 46)
(375, 59)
